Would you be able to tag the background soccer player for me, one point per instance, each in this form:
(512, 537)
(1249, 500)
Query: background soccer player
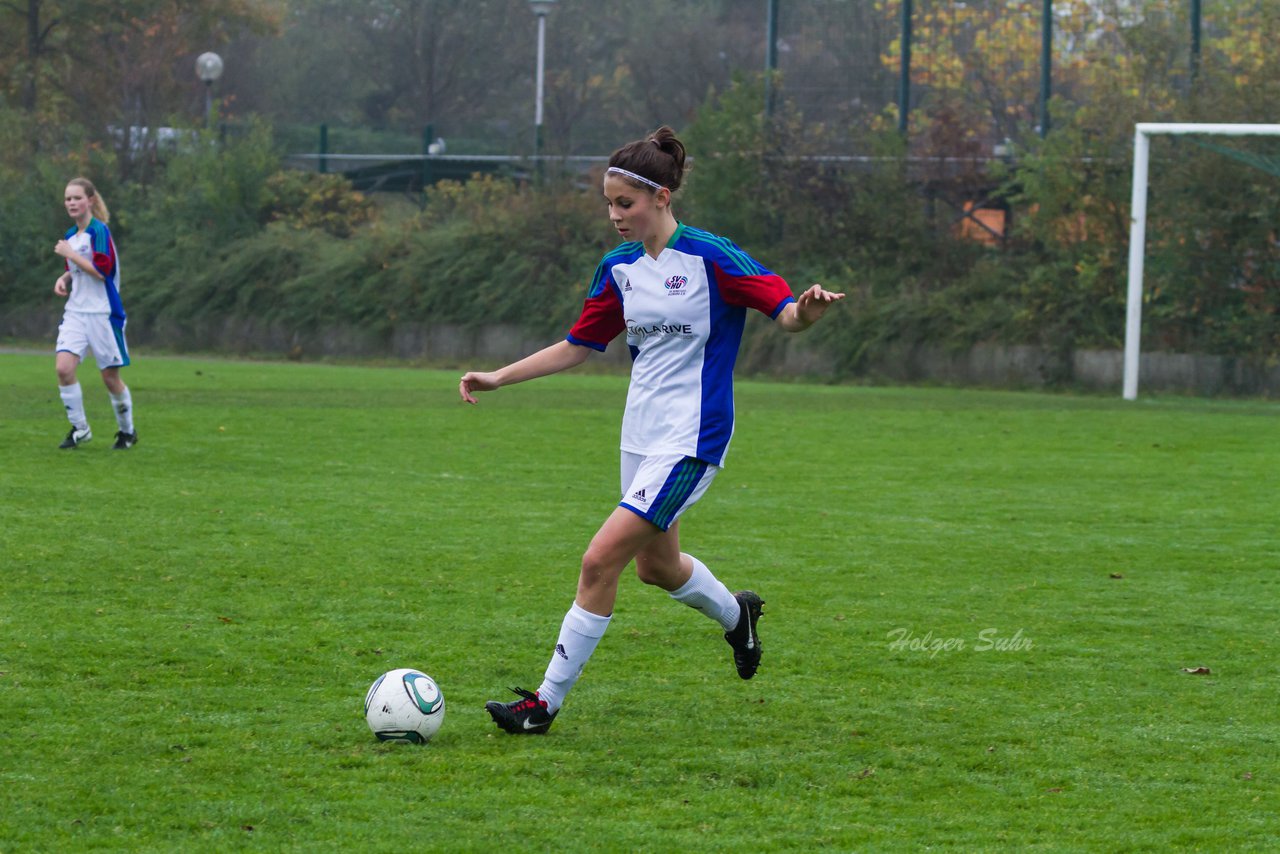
(680, 294)
(94, 316)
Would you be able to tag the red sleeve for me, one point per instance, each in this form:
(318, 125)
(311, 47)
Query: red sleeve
(104, 249)
(103, 263)
(601, 319)
(767, 293)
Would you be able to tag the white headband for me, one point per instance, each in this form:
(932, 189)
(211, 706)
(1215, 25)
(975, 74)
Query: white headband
(633, 176)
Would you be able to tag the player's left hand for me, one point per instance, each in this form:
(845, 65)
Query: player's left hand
(814, 302)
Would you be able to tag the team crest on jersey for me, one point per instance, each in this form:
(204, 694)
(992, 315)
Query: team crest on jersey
(675, 285)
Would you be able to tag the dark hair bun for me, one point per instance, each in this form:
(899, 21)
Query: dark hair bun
(659, 157)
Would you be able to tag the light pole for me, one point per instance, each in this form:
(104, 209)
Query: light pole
(541, 8)
(208, 69)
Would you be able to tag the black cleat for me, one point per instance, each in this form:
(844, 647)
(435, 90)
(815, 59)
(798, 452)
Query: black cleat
(743, 638)
(76, 438)
(124, 441)
(528, 715)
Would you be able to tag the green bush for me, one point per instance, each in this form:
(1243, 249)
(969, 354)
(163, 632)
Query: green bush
(327, 203)
(487, 251)
(224, 234)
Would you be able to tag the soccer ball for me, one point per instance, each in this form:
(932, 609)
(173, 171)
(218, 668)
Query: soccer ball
(404, 705)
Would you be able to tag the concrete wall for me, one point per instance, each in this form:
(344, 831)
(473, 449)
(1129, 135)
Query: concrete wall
(1102, 370)
(764, 352)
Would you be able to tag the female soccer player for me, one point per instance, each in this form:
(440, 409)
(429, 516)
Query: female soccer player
(94, 317)
(681, 295)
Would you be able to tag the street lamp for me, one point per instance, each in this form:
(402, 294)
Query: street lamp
(208, 69)
(541, 8)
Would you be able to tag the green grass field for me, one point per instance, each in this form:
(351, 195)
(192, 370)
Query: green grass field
(980, 609)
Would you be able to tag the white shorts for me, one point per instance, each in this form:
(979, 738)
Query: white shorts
(661, 487)
(79, 332)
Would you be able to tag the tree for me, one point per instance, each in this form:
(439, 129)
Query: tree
(389, 64)
(96, 64)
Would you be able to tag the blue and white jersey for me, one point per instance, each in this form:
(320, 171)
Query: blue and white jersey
(90, 295)
(683, 313)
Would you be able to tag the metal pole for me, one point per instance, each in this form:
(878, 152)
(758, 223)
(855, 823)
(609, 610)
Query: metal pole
(208, 104)
(324, 148)
(537, 108)
(1137, 248)
(1195, 39)
(428, 134)
(1046, 64)
(770, 53)
(904, 70)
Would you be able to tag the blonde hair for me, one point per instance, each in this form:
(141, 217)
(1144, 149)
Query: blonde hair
(97, 205)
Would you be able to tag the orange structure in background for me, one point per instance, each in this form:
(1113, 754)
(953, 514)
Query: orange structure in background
(984, 225)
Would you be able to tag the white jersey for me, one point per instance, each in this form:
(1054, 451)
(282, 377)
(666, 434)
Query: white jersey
(683, 313)
(90, 295)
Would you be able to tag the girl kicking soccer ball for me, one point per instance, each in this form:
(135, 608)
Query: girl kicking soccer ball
(94, 316)
(680, 294)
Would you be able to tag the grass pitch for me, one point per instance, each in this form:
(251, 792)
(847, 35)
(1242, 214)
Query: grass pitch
(981, 607)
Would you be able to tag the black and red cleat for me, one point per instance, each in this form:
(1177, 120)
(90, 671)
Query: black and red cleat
(526, 716)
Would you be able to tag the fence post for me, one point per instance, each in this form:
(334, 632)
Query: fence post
(1046, 64)
(770, 53)
(324, 148)
(904, 69)
(1195, 40)
(428, 135)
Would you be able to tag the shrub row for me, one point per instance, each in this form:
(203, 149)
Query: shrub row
(226, 233)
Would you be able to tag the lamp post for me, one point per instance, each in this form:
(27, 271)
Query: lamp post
(208, 69)
(541, 8)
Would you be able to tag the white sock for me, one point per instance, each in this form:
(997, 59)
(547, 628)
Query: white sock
(708, 594)
(73, 400)
(579, 634)
(123, 405)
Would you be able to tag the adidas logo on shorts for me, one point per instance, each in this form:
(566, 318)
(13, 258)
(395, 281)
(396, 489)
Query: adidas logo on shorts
(638, 495)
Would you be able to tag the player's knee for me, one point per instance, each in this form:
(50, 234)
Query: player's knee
(656, 572)
(66, 375)
(592, 568)
(597, 569)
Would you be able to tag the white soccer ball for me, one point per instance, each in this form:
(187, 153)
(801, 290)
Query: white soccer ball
(404, 705)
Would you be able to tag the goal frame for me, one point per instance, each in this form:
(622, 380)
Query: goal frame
(1143, 131)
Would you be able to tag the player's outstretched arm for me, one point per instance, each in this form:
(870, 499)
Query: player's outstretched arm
(808, 308)
(549, 360)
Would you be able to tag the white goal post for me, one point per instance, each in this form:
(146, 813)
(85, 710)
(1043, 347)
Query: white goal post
(1143, 132)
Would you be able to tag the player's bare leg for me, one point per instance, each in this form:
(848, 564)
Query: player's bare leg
(611, 549)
